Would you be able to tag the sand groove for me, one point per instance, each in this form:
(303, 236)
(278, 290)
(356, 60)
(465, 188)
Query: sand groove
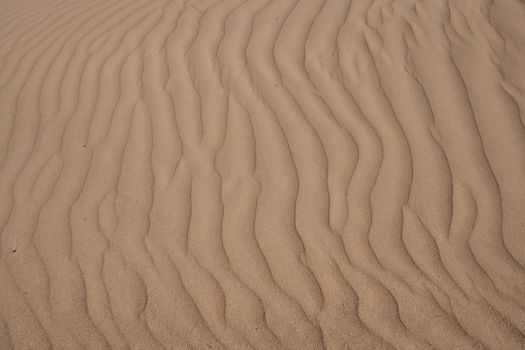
(262, 174)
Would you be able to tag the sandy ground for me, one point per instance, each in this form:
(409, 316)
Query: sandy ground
(262, 174)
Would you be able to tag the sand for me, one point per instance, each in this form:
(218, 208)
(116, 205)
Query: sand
(262, 174)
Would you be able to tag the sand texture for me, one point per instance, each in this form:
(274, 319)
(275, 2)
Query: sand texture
(262, 174)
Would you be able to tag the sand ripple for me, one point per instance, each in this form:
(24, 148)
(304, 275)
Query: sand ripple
(262, 174)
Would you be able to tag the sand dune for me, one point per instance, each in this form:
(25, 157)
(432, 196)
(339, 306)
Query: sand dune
(262, 174)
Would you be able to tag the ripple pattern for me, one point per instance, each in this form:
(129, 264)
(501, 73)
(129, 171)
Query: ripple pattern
(262, 174)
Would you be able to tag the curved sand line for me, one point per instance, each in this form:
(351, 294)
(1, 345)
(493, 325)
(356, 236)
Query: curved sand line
(262, 174)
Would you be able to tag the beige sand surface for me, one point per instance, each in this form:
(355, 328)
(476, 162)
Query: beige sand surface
(262, 174)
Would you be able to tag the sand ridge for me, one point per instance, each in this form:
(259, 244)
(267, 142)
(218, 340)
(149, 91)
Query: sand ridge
(262, 174)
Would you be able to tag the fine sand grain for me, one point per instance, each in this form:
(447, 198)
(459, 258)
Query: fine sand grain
(262, 174)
